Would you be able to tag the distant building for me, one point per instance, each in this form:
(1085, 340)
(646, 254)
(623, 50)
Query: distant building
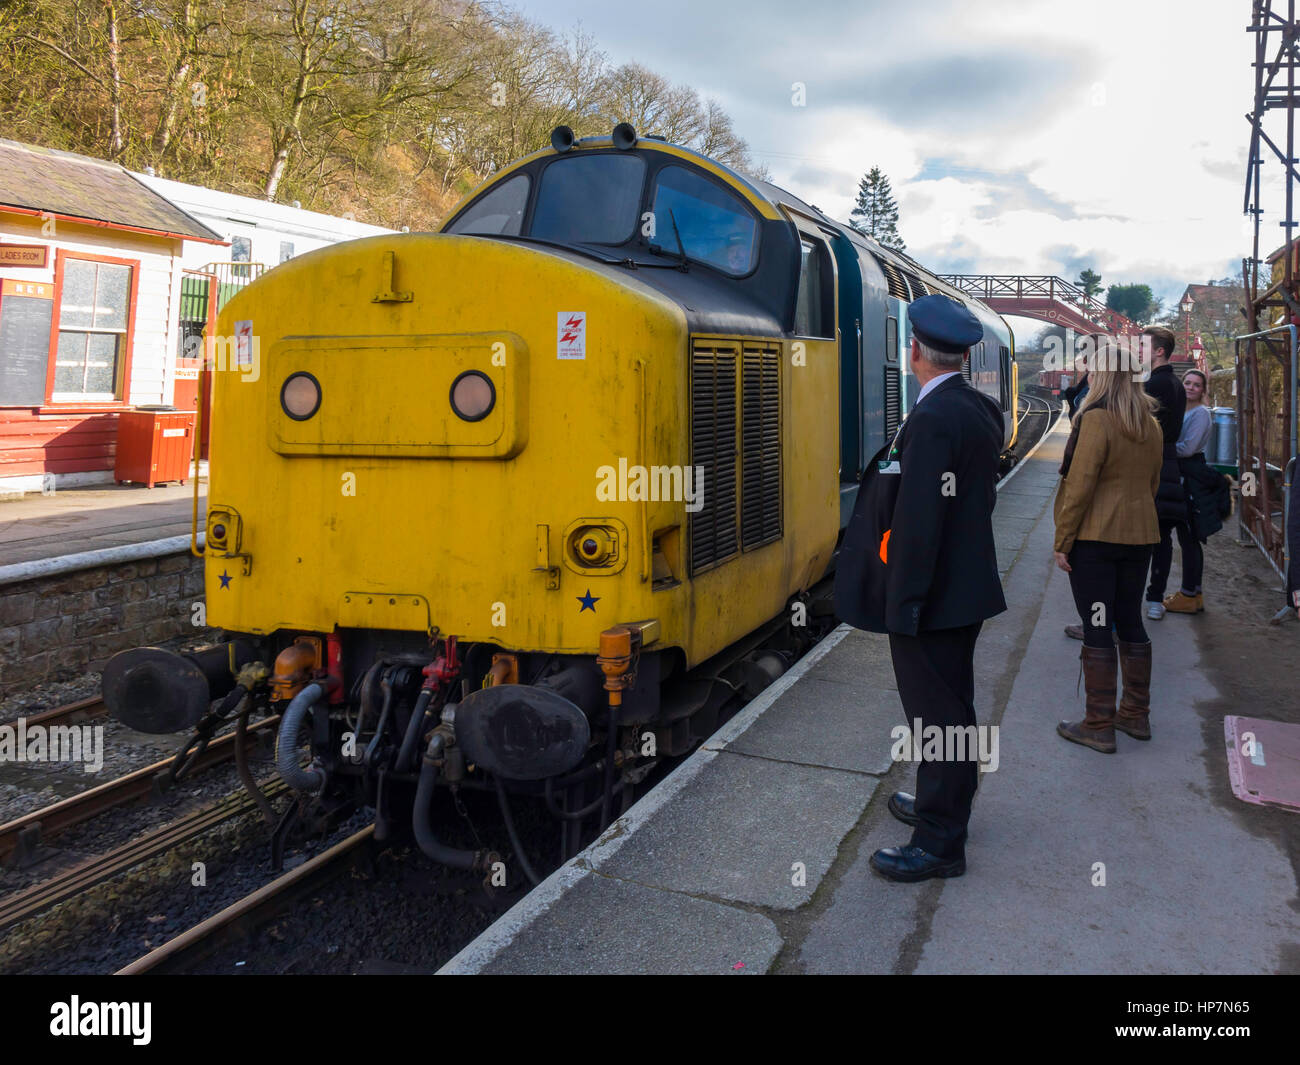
(1217, 316)
(258, 231)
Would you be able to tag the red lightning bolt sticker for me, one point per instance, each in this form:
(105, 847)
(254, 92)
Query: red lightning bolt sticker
(571, 335)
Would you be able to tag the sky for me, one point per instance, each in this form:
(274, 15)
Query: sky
(1020, 136)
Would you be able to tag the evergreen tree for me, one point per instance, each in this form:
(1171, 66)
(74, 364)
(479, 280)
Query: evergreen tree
(875, 214)
(1089, 281)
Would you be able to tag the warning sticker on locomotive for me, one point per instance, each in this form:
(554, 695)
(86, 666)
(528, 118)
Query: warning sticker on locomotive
(243, 343)
(571, 335)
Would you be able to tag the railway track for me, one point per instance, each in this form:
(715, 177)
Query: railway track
(236, 920)
(20, 837)
(77, 713)
(85, 875)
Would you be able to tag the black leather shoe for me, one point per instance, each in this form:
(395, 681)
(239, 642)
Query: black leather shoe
(903, 806)
(910, 864)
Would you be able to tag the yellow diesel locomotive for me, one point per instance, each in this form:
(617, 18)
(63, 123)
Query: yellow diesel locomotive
(526, 503)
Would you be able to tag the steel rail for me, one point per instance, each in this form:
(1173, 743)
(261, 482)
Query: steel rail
(72, 713)
(197, 942)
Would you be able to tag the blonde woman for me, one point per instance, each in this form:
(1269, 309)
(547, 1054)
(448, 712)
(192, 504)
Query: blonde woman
(1106, 526)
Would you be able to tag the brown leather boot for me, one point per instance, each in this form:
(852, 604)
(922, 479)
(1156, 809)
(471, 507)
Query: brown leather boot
(1097, 729)
(1134, 716)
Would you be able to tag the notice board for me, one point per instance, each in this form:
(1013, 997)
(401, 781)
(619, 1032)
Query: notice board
(26, 314)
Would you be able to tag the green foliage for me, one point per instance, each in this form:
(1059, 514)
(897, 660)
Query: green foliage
(1135, 302)
(875, 213)
(388, 109)
(1089, 281)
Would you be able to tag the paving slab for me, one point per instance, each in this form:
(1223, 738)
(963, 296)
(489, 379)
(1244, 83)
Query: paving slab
(615, 927)
(747, 829)
(835, 724)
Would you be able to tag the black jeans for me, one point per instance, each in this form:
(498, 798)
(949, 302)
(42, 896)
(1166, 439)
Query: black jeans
(1162, 560)
(935, 672)
(1107, 580)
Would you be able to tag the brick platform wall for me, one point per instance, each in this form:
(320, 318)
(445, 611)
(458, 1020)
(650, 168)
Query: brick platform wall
(56, 628)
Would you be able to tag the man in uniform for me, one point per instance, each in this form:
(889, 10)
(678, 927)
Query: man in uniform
(926, 510)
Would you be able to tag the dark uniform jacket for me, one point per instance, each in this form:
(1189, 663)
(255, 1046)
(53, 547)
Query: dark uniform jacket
(934, 495)
(1164, 386)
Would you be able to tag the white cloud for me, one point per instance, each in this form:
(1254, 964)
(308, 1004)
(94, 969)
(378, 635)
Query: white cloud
(1046, 130)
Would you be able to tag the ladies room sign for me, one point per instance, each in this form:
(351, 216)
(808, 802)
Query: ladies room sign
(32, 256)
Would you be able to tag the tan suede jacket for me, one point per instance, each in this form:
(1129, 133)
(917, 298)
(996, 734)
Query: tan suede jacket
(1110, 492)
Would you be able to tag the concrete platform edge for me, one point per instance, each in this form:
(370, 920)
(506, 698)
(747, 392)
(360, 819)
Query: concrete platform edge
(105, 556)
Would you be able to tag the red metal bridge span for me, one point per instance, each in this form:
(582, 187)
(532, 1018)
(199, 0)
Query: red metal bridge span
(1046, 299)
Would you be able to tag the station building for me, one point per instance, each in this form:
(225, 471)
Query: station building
(107, 278)
(90, 269)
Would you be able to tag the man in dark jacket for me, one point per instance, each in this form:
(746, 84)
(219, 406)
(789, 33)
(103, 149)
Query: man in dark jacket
(1171, 502)
(918, 561)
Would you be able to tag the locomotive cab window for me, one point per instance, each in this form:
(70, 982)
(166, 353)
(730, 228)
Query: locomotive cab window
(499, 213)
(590, 199)
(814, 314)
(714, 226)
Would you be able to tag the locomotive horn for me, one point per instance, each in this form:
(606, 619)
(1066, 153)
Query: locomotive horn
(153, 690)
(562, 138)
(624, 136)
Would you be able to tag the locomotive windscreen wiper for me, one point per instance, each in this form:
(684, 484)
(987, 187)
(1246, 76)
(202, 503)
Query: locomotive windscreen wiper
(658, 249)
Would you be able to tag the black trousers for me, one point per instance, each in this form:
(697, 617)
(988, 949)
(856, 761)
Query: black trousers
(935, 672)
(1162, 560)
(1106, 580)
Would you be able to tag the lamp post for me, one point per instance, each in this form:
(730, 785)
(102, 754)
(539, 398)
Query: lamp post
(1186, 308)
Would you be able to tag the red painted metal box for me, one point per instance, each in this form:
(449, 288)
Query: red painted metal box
(154, 446)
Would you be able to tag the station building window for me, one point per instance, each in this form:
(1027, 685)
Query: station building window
(94, 324)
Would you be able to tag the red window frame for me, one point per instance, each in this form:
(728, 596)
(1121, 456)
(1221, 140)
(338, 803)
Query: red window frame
(122, 386)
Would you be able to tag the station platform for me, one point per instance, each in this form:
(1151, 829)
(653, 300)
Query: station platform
(75, 520)
(753, 856)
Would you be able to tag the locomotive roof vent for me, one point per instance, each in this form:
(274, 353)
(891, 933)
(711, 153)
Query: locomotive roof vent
(562, 139)
(624, 136)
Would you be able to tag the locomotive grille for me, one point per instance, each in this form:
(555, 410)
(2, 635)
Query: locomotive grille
(918, 286)
(893, 401)
(965, 365)
(897, 286)
(760, 446)
(713, 532)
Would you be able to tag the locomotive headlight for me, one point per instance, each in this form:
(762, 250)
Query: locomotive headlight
(473, 396)
(300, 396)
(593, 545)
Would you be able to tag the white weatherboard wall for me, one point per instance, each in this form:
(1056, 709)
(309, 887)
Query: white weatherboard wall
(266, 225)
